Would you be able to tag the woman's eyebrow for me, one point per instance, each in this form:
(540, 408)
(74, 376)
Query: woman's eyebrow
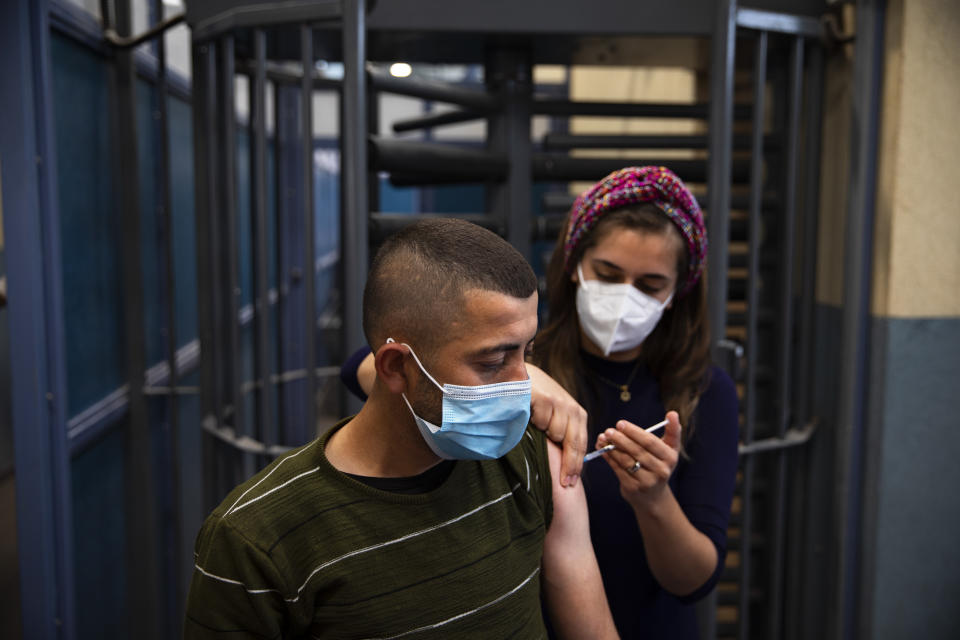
(645, 276)
(608, 264)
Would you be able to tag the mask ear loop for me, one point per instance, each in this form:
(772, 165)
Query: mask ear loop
(419, 364)
(580, 275)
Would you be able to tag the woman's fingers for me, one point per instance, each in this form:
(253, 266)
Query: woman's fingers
(672, 432)
(634, 444)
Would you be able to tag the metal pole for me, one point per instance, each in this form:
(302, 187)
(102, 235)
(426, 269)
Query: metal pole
(753, 311)
(854, 354)
(258, 199)
(204, 163)
(44, 519)
(141, 521)
(509, 74)
(168, 300)
(718, 172)
(309, 241)
(803, 402)
(429, 121)
(784, 381)
(227, 286)
(473, 99)
(353, 136)
(554, 107)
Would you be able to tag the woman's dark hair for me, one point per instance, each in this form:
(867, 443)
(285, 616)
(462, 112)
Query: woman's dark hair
(677, 352)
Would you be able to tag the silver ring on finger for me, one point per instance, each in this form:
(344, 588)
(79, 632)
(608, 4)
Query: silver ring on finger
(636, 465)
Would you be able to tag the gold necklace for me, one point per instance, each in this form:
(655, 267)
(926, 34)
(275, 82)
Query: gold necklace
(625, 387)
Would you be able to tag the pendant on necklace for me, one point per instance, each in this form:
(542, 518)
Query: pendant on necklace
(624, 394)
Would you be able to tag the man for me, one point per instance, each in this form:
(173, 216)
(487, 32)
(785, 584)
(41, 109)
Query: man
(434, 512)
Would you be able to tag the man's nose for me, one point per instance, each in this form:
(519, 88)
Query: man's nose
(518, 371)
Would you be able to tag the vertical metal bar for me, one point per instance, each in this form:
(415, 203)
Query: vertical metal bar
(353, 163)
(813, 104)
(204, 167)
(784, 378)
(44, 517)
(258, 199)
(509, 72)
(803, 403)
(753, 310)
(168, 304)
(718, 208)
(141, 520)
(309, 216)
(291, 314)
(373, 128)
(851, 500)
(719, 174)
(230, 360)
(283, 262)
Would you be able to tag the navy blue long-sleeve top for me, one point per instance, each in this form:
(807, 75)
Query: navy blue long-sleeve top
(702, 483)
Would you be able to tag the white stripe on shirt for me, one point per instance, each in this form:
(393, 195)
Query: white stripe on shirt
(277, 488)
(381, 545)
(279, 464)
(465, 613)
(358, 551)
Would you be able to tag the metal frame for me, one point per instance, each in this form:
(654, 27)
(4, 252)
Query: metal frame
(39, 389)
(509, 75)
(719, 173)
(258, 197)
(792, 372)
(353, 162)
(753, 312)
(855, 498)
(309, 240)
(141, 519)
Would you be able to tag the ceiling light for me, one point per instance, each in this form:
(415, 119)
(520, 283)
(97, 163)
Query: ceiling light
(400, 70)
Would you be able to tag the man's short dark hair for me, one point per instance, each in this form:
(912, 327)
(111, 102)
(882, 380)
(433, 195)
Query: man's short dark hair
(419, 276)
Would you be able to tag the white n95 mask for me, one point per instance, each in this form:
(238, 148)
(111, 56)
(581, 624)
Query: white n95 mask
(479, 423)
(616, 317)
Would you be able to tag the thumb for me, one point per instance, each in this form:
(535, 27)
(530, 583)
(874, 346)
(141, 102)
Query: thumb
(673, 430)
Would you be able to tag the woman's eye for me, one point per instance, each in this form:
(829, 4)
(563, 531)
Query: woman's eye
(650, 291)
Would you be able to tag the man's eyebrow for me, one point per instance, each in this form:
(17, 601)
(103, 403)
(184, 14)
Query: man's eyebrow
(505, 347)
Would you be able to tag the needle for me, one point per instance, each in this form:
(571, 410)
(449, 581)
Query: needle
(610, 447)
(599, 452)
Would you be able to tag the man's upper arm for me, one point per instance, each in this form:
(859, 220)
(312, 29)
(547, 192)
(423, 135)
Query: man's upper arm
(572, 585)
(233, 588)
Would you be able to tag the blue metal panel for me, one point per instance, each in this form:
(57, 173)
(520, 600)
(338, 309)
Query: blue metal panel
(36, 319)
(294, 318)
(100, 544)
(90, 221)
(182, 207)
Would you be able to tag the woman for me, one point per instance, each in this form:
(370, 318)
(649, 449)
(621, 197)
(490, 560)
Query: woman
(627, 337)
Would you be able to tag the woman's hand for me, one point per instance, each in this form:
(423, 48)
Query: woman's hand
(555, 412)
(642, 461)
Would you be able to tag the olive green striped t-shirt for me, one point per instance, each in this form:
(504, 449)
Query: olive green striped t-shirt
(303, 550)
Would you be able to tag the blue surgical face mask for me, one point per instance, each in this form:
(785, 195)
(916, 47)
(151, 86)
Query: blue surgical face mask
(479, 423)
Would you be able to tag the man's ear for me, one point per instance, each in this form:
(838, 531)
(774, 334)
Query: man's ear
(389, 363)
